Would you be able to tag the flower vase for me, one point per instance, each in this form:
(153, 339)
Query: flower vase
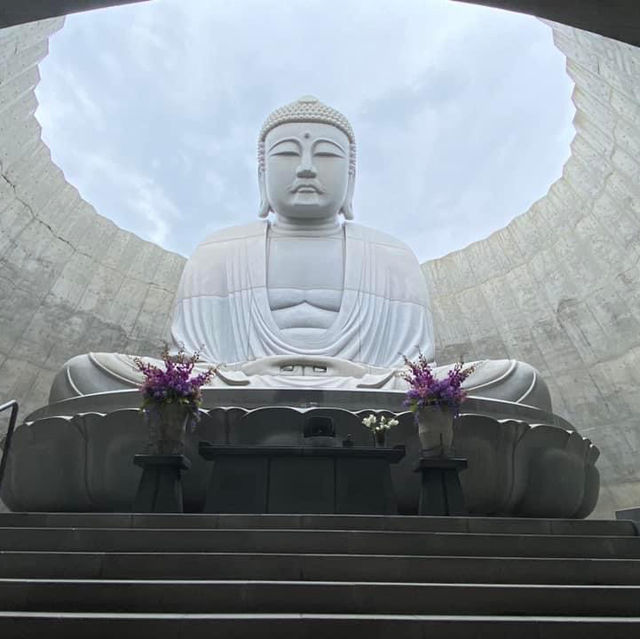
(167, 425)
(435, 429)
(380, 438)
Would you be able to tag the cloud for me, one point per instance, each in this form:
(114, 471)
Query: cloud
(140, 203)
(69, 102)
(461, 113)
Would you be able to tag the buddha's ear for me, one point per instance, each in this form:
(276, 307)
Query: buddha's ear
(264, 202)
(347, 207)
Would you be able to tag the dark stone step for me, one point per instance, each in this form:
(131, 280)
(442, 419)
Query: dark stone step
(351, 598)
(318, 541)
(107, 626)
(318, 567)
(324, 522)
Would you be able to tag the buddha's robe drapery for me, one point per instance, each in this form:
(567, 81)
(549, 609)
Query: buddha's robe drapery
(222, 310)
(222, 306)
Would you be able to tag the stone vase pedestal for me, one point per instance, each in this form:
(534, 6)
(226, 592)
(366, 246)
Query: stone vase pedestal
(435, 430)
(440, 490)
(160, 488)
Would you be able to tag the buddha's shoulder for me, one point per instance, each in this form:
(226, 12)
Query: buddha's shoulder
(235, 233)
(374, 236)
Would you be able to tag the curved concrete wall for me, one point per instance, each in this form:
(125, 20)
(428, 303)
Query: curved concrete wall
(70, 280)
(558, 287)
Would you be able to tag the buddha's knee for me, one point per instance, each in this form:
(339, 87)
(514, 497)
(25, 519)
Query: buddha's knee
(93, 373)
(511, 380)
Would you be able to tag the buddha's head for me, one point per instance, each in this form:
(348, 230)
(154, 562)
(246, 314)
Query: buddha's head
(306, 162)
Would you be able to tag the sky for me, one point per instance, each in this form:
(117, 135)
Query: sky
(462, 114)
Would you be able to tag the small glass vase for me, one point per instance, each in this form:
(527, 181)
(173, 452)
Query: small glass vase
(167, 425)
(380, 438)
(435, 430)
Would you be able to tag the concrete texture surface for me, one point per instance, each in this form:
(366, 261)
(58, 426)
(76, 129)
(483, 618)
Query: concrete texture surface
(70, 280)
(558, 287)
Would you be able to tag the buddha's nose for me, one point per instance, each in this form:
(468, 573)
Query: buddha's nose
(306, 168)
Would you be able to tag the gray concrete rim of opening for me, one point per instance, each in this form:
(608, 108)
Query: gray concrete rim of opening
(14, 12)
(618, 19)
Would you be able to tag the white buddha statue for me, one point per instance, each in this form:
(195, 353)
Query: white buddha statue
(302, 298)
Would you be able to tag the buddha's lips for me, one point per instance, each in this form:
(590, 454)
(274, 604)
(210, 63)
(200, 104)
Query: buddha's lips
(296, 187)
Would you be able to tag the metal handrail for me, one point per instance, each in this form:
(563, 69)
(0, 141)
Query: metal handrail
(13, 405)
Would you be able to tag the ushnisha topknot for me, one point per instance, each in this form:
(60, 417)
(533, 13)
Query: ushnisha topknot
(307, 109)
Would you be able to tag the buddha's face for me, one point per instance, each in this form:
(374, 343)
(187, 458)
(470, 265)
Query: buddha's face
(306, 170)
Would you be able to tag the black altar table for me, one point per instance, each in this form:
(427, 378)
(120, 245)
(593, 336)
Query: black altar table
(300, 479)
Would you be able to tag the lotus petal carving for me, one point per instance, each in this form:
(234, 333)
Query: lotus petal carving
(84, 462)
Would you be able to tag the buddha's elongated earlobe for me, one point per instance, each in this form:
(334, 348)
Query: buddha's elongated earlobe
(265, 207)
(347, 208)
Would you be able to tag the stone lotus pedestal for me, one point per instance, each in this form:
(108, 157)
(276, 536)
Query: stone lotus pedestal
(529, 470)
(76, 455)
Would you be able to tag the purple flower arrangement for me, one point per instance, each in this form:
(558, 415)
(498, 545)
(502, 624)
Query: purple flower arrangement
(426, 390)
(174, 384)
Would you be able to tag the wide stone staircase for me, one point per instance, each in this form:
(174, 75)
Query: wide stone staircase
(307, 576)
